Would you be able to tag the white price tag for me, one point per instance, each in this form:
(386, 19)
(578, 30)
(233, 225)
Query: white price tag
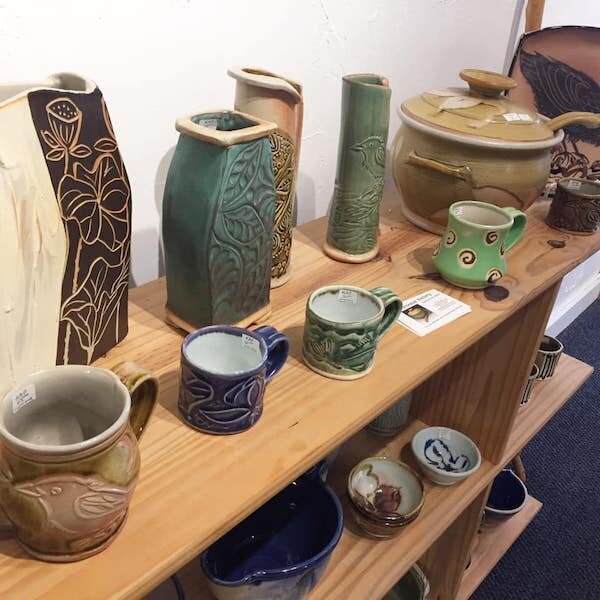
(250, 343)
(573, 184)
(209, 123)
(23, 397)
(347, 296)
(518, 117)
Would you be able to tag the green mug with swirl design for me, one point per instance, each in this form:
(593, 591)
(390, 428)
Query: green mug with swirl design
(471, 253)
(343, 326)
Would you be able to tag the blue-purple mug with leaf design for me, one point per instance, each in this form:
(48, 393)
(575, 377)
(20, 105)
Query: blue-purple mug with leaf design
(224, 370)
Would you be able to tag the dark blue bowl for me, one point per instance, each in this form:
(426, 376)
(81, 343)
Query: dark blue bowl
(280, 550)
(508, 495)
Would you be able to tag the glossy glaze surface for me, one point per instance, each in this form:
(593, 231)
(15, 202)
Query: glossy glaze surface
(343, 327)
(224, 371)
(218, 210)
(280, 550)
(472, 251)
(354, 218)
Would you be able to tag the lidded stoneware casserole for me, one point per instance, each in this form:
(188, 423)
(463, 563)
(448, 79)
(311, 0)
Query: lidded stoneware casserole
(473, 144)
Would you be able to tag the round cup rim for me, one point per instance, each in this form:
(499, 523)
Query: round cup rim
(451, 474)
(229, 329)
(328, 288)
(511, 511)
(484, 206)
(45, 449)
(400, 518)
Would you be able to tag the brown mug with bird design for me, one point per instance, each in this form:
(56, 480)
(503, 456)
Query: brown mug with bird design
(69, 457)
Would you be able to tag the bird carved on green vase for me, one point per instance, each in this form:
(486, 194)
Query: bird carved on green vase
(355, 213)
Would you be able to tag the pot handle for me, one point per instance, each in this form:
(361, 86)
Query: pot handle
(588, 119)
(143, 389)
(435, 165)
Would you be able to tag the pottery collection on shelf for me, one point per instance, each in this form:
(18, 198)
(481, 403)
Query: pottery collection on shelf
(467, 163)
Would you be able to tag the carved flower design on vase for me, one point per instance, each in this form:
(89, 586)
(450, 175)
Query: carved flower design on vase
(97, 200)
(64, 119)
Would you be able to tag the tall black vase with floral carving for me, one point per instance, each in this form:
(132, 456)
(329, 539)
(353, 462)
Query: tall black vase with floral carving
(65, 226)
(218, 212)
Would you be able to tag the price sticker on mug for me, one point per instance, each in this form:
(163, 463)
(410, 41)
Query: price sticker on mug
(250, 343)
(23, 397)
(573, 184)
(347, 296)
(209, 123)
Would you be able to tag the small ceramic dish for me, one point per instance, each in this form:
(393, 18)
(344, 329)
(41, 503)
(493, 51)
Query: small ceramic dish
(507, 497)
(445, 455)
(386, 494)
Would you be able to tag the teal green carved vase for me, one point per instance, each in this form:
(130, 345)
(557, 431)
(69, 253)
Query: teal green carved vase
(354, 218)
(218, 211)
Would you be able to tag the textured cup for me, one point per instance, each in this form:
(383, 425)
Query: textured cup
(548, 356)
(529, 384)
(70, 461)
(392, 420)
(472, 249)
(343, 327)
(224, 371)
(576, 206)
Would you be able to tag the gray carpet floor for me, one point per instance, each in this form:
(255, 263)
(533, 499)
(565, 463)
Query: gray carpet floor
(558, 555)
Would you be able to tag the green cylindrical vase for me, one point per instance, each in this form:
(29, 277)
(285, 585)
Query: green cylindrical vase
(354, 218)
(218, 210)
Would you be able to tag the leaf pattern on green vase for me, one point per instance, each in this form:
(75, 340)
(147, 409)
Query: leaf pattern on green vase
(240, 246)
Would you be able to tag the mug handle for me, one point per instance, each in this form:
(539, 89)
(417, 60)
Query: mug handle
(518, 228)
(278, 348)
(392, 305)
(143, 389)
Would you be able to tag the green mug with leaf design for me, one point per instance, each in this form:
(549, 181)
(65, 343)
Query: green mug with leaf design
(471, 253)
(343, 326)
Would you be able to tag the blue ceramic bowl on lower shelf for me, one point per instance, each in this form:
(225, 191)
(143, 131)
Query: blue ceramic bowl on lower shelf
(281, 550)
(508, 495)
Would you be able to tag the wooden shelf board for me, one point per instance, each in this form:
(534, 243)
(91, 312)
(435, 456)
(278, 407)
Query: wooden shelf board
(491, 544)
(194, 487)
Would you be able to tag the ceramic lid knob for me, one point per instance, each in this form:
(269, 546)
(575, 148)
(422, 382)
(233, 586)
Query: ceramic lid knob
(487, 83)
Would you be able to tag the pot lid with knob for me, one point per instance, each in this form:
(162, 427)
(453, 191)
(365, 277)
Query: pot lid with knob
(483, 112)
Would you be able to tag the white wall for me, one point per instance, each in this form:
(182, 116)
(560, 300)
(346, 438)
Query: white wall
(158, 59)
(573, 12)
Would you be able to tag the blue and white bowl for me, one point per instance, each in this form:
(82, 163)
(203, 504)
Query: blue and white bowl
(281, 550)
(445, 456)
(507, 497)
